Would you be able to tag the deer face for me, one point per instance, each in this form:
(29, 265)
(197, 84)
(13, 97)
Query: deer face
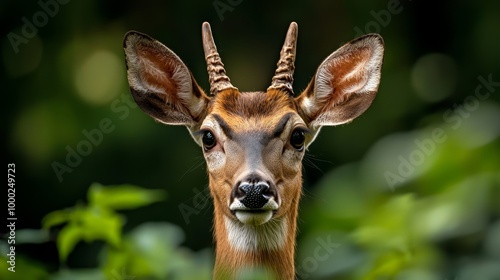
(254, 142)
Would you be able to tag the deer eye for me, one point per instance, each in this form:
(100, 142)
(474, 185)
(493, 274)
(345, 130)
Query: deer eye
(297, 139)
(208, 140)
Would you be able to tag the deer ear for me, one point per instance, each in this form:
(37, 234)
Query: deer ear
(160, 82)
(345, 83)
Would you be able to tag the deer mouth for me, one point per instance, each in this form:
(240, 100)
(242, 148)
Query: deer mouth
(255, 211)
(254, 216)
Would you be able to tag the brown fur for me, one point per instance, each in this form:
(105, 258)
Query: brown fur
(252, 104)
(280, 263)
(253, 129)
(246, 112)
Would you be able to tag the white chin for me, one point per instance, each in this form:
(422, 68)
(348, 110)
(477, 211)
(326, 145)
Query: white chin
(254, 218)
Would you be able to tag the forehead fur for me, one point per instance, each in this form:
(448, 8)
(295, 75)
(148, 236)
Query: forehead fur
(252, 104)
(250, 110)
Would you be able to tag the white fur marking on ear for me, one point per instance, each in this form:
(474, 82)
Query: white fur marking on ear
(185, 90)
(269, 236)
(308, 106)
(374, 65)
(322, 84)
(361, 75)
(180, 76)
(368, 72)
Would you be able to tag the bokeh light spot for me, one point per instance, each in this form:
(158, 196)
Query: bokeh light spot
(99, 77)
(434, 77)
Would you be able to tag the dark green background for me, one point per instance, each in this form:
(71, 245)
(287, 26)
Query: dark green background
(44, 111)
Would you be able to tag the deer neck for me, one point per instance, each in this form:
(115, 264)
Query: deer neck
(270, 246)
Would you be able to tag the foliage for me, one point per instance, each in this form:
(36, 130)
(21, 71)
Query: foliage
(98, 220)
(405, 232)
(150, 251)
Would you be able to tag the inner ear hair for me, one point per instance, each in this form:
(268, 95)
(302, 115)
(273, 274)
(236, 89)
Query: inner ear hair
(160, 82)
(345, 83)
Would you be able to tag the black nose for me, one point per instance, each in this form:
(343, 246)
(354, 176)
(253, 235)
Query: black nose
(253, 195)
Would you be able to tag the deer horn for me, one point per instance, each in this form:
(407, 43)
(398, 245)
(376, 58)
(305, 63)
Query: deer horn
(216, 73)
(283, 77)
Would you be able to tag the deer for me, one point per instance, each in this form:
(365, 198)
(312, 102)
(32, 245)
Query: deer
(254, 142)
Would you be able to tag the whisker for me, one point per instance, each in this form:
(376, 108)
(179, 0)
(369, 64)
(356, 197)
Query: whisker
(200, 161)
(308, 160)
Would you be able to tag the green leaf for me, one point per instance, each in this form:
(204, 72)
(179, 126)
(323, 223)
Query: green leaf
(122, 196)
(156, 243)
(68, 237)
(55, 218)
(101, 224)
(151, 249)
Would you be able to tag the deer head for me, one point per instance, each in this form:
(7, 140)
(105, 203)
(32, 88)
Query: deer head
(254, 142)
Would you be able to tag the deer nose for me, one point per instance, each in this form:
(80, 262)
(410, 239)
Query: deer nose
(254, 196)
(254, 192)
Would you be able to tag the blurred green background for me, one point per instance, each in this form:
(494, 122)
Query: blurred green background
(410, 190)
